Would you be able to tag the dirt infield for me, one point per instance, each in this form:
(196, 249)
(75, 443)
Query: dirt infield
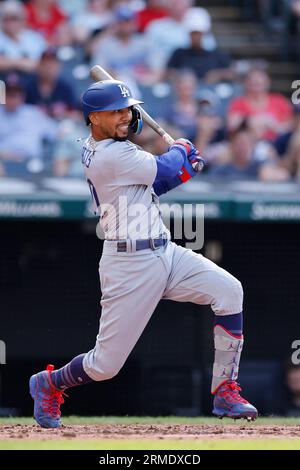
(145, 431)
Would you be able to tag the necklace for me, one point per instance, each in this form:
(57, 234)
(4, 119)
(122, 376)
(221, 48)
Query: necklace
(92, 142)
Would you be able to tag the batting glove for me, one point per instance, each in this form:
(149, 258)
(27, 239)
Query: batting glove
(184, 145)
(190, 151)
(196, 161)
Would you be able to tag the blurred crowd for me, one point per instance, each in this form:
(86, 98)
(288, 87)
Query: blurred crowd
(165, 50)
(292, 388)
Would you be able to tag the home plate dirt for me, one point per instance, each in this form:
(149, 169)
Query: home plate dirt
(147, 431)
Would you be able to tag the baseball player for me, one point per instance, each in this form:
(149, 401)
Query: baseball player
(140, 265)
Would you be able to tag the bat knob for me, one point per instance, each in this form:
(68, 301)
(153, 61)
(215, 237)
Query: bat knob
(199, 165)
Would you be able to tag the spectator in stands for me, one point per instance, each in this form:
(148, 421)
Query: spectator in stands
(211, 66)
(24, 130)
(291, 160)
(47, 90)
(20, 48)
(67, 150)
(288, 16)
(168, 34)
(282, 142)
(49, 20)
(293, 388)
(71, 7)
(210, 125)
(127, 52)
(154, 10)
(196, 114)
(247, 159)
(182, 112)
(271, 113)
(96, 17)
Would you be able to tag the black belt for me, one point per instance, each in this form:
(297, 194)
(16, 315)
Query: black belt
(153, 243)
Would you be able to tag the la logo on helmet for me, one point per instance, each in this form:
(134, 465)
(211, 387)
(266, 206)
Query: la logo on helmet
(124, 91)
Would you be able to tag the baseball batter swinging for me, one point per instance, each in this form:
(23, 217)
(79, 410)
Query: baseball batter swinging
(140, 265)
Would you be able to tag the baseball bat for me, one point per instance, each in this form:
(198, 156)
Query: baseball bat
(98, 73)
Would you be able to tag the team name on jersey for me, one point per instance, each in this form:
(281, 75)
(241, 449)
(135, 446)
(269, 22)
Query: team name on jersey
(86, 156)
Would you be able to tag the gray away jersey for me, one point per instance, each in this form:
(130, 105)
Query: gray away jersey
(120, 177)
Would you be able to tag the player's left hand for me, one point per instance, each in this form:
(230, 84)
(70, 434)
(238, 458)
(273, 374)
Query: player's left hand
(196, 161)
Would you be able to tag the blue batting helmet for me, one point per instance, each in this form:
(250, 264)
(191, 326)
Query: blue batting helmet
(106, 95)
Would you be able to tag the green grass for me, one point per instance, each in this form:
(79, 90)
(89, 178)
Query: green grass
(155, 444)
(155, 420)
(217, 444)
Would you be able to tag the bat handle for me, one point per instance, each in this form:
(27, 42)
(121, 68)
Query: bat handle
(198, 166)
(167, 138)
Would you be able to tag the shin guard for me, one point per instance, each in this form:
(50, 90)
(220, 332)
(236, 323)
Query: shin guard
(228, 348)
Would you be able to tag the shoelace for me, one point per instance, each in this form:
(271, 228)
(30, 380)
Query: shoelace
(52, 401)
(235, 388)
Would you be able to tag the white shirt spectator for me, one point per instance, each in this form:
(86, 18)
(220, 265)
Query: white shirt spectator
(131, 58)
(168, 34)
(96, 16)
(125, 51)
(30, 44)
(72, 7)
(22, 132)
(91, 22)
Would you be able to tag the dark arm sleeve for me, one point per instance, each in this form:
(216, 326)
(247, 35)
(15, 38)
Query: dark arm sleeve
(169, 163)
(186, 172)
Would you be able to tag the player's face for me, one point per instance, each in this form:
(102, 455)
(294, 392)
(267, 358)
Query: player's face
(111, 124)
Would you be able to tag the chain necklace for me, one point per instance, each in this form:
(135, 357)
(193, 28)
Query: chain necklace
(92, 142)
